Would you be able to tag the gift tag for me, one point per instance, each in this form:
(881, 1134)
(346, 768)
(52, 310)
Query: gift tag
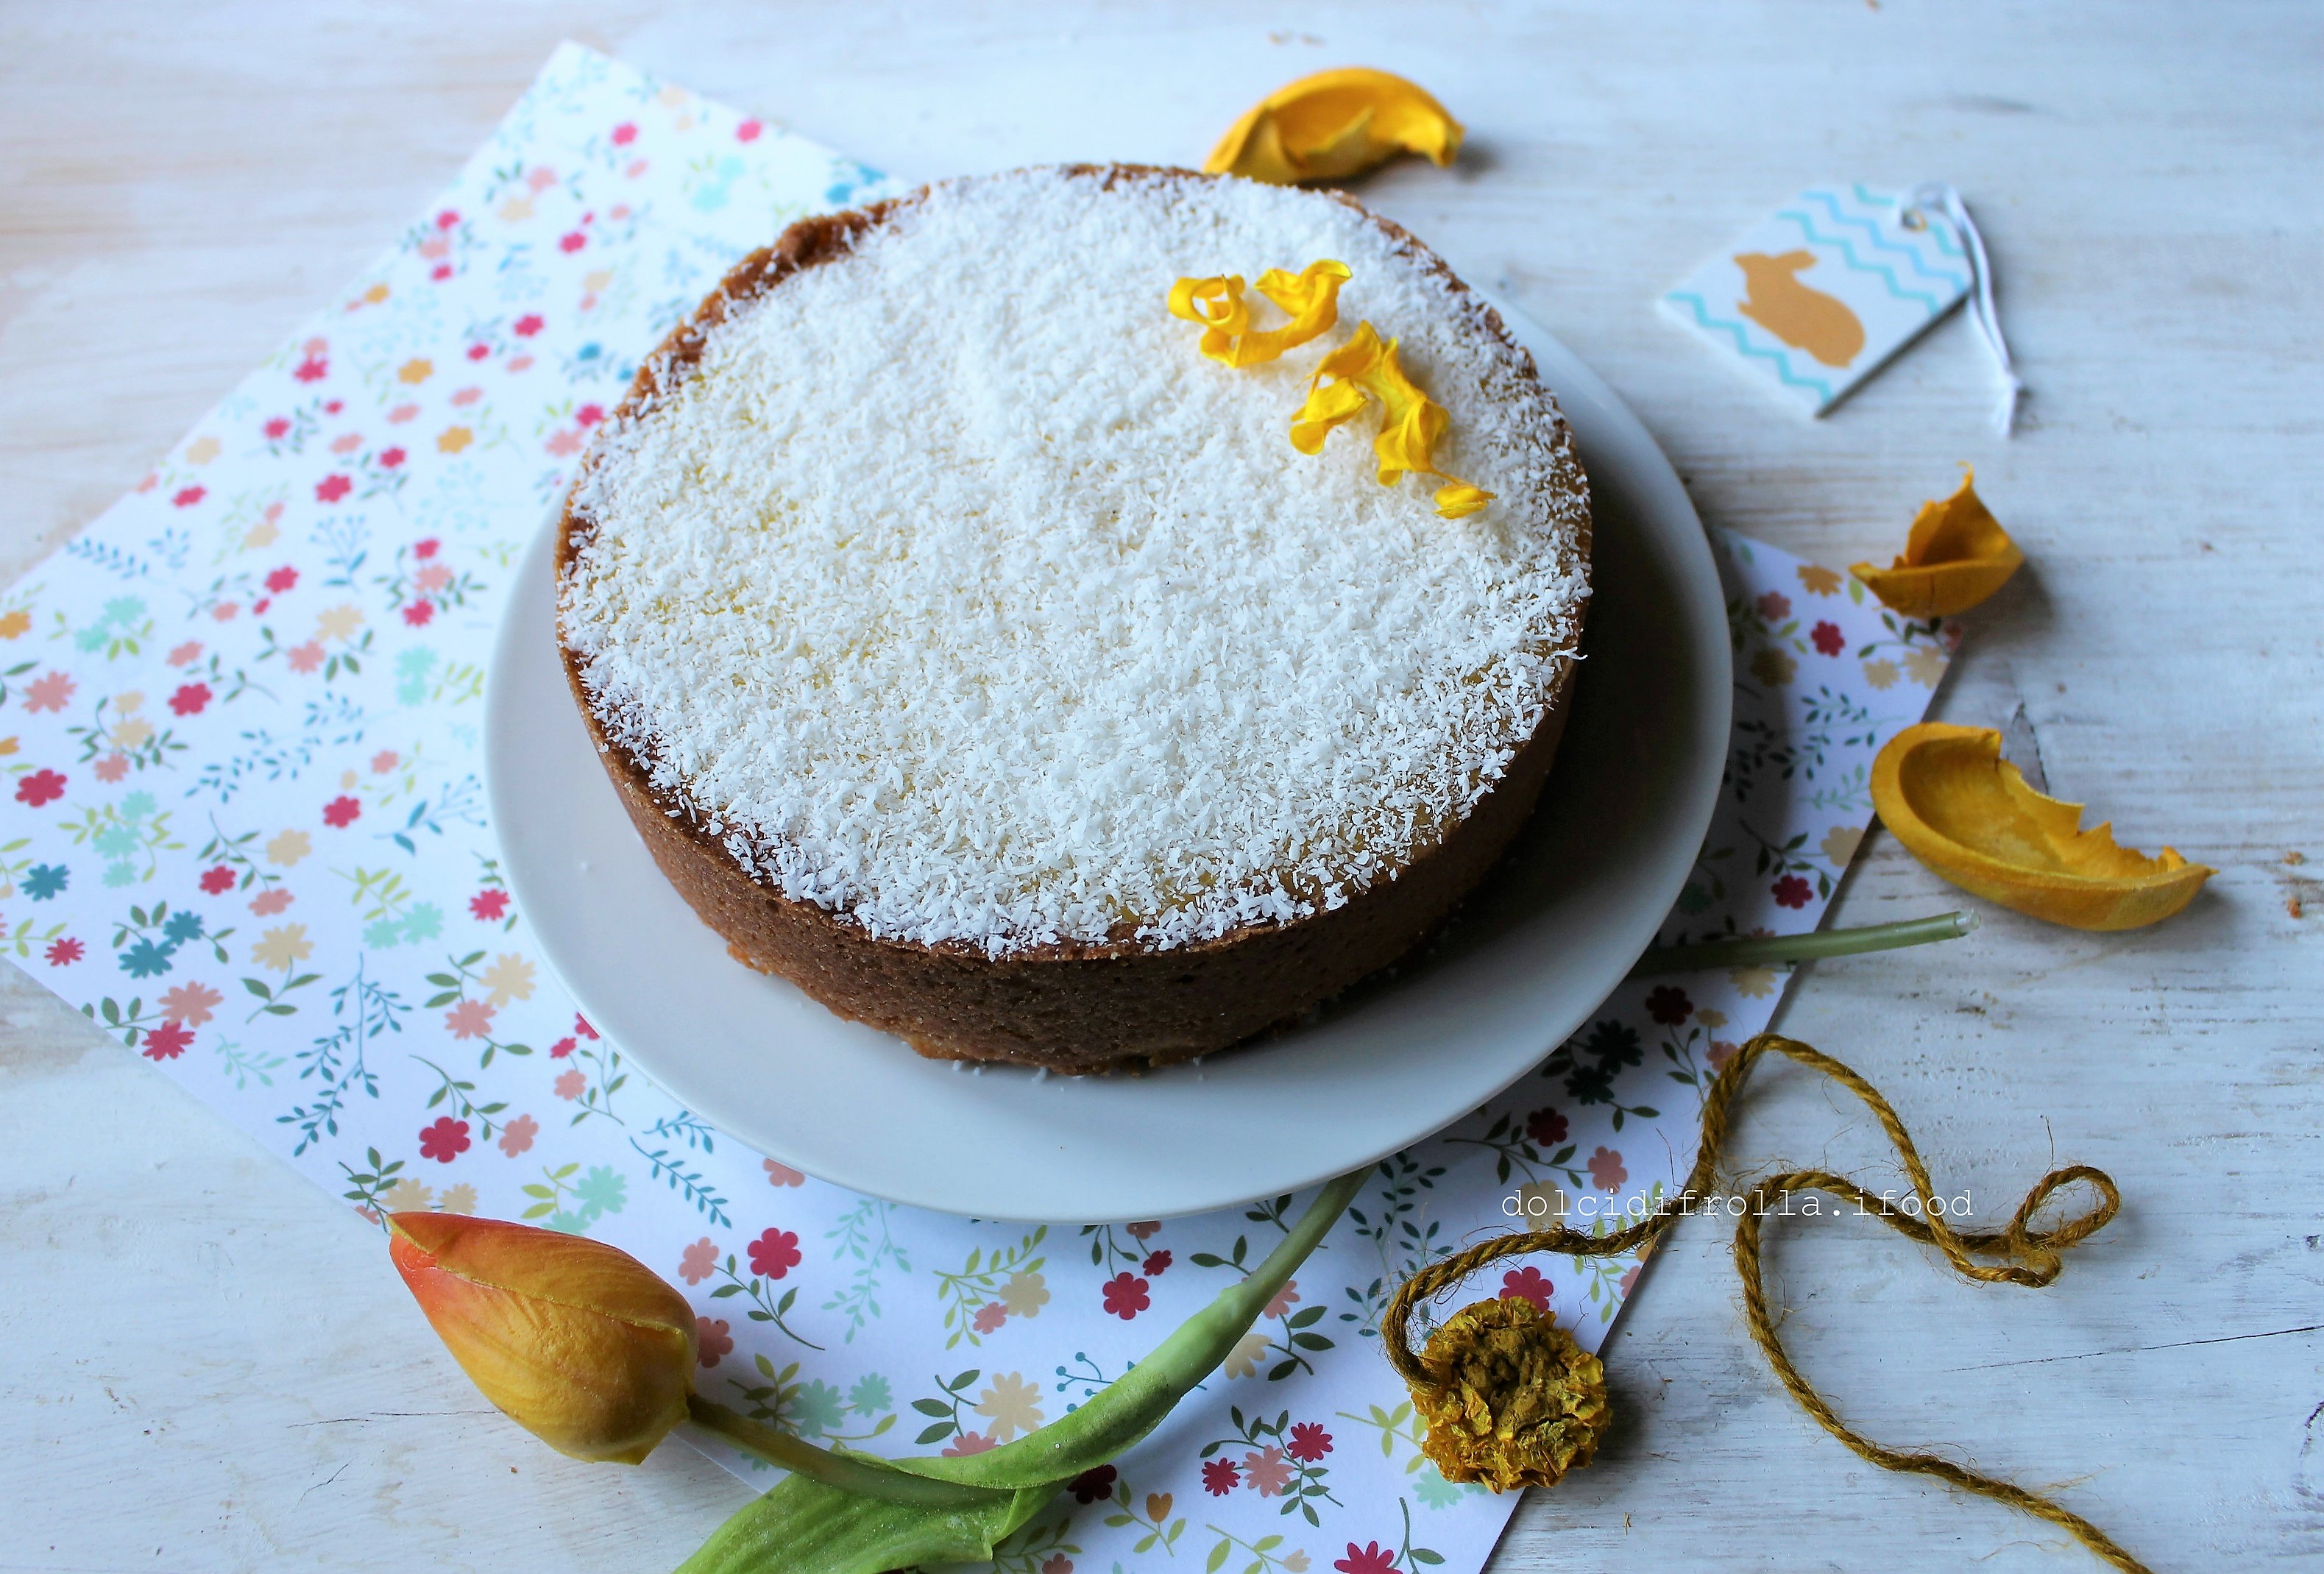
(1818, 296)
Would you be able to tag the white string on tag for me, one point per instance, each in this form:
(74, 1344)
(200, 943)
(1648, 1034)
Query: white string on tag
(1941, 197)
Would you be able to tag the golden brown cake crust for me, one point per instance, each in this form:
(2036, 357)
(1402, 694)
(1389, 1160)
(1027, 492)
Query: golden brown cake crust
(1071, 1006)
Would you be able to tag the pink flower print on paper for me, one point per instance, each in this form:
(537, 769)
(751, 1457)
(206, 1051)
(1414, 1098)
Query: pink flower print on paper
(167, 1042)
(516, 1137)
(427, 546)
(276, 428)
(1156, 1264)
(42, 786)
(188, 496)
(225, 611)
(1792, 892)
(1775, 606)
(51, 693)
(1220, 1477)
(418, 613)
(519, 362)
(216, 881)
(433, 576)
(385, 760)
(332, 488)
(1369, 1559)
(389, 458)
(475, 353)
(562, 442)
(189, 699)
(191, 1004)
(398, 417)
(1828, 638)
(560, 1049)
(346, 443)
(712, 1339)
(525, 327)
(581, 1026)
(774, 1254)
(698, 1261)
(1668, 1004)
(779, 1175)
(1309, 1443)
(748, 131)
(589, 415)
(469, 1019)
(1527, 1285)
(989, 1317)
(64, 953)
(624, 135)
(1546, 1128)
(440, 271)
(278, 580)
(540, 178)
(1144, 1230)
(342, 812)
(112, 767)
(1125, 1296)
(1058, 1563)
(186, 654)
(571, 241)
(448, 218)
(305, 658)
(1267, 1474)
(444, 1141)
(1606, 1169)
(1630, 1279)
(1722, 1051)
(972, 1442)
(266, 904)
(569, 1084)
(1285, 1298)
(489, 905)
(313, 369)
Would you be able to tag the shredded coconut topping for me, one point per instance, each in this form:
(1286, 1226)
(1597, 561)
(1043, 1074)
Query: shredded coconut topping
(953, 590)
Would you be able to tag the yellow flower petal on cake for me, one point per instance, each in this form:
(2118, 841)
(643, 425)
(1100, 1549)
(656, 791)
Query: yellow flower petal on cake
(1311, 297)
(1334, 125)
(1326, 408)
(1957, 555)
(1967, 813)
(1460, 500)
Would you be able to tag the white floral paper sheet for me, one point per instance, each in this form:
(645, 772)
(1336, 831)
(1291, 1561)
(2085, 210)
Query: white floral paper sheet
(240, 719)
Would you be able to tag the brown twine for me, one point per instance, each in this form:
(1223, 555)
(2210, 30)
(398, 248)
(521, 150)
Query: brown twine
(2029, 1257)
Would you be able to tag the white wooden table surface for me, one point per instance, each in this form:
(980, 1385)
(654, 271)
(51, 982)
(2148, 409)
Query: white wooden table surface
(203, 1361)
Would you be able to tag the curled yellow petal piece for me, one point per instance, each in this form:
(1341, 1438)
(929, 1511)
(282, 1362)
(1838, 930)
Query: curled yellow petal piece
(1311, 297)
(1967, 813)
(1334, 125)
(1957, 555)
(1411, 423)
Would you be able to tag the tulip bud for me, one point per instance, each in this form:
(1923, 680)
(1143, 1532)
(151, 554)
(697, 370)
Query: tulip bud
(576, 1342)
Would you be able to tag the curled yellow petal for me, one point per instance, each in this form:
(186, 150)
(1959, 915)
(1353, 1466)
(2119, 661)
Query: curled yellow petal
(1957, 555)
(1964, 811)
(1311, 297)
(1411, 423)
(1334, 125)
(1327, 407)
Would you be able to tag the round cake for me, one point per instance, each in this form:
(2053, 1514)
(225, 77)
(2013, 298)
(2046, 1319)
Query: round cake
(974, 652)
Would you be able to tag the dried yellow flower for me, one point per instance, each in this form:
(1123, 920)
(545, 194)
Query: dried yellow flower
(1311, 297)
(1510, 1399)
(1957, 555)
(1967, 813)
(1411, 423)
(1334, 125)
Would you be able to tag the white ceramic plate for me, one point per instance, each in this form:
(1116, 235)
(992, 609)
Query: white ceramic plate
(1533, 953)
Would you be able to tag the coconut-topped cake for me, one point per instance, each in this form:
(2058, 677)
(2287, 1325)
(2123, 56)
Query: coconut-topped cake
(974, 650)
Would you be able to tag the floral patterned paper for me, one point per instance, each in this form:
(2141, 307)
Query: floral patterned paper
(240, 720)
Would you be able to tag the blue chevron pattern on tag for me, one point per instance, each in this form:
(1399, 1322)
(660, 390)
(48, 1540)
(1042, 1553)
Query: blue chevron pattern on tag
(1817, 297)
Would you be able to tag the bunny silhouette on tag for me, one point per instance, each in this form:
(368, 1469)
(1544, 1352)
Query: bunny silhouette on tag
(1816, 298)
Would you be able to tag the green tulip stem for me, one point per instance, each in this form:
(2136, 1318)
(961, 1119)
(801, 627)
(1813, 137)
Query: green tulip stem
(1783, 950)
(863, 1477)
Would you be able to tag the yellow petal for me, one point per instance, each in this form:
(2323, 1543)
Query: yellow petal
(1325, 409)
(1460, 500)
(1311, 297)
(1964, 811)
(1957, 555)
(1334, 125)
